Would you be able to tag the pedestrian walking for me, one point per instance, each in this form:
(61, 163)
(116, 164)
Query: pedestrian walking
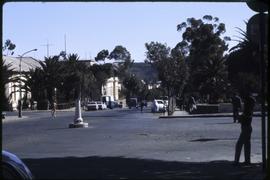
(246, 130)
(236, 103)
(53, 111)
(191, 104)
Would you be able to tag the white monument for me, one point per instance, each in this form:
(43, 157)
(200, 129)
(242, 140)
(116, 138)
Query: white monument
(78, 120)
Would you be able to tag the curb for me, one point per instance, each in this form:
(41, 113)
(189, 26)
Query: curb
(205, 116)
(196, 116)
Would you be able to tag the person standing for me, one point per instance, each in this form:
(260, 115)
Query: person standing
(53, 110)
(236, 103)
(141, 105)
(246, 130)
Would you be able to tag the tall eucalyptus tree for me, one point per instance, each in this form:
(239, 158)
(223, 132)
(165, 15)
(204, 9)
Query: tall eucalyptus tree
(204, 48)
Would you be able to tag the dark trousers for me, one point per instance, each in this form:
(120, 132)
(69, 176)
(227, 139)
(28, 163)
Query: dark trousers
(243, 140)
(235, 114)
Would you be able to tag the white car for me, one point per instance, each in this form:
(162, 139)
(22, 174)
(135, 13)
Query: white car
(101, 105)
(92, 106)
(158, 106)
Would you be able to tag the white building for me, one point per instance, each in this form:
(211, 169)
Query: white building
(12, 89)
(112, 88)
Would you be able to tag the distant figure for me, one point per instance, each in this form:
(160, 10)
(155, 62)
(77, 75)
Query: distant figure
(191, 104)
(53, 110)
(246, 130)
(236, 103)
(142, 104)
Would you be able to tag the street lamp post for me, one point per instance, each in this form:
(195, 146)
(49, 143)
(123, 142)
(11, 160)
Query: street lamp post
(20, 85)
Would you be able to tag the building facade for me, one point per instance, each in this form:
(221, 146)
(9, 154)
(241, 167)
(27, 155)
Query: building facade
(12, 90)
(112, 88)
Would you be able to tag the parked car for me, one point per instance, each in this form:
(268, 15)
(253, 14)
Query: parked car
(3, 115)
(92, 106)
(101, 105)
(166, 100)
(14, 168)
(158, 106)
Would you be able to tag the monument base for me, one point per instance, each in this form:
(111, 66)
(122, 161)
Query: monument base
(78, 125)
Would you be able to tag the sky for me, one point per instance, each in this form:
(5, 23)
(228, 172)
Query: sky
(89, 27)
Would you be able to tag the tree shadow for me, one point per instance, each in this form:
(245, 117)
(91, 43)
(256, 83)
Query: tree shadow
(212, 139)
(96, 167)
(204, 140)
(221, 123)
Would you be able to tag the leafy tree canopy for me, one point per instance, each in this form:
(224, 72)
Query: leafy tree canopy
(203, 47)
(102, 55)
(172, 70)
(123, 61)
(120, 54)
(202, 39)
(9, 47)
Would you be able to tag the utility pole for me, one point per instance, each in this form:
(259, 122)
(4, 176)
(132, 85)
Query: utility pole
(263, 65)
(20, 85)
(65, 45)
(47, 45)
(261, 7)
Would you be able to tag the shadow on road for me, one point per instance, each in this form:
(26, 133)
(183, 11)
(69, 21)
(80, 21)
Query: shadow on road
(131, 168)
(219, 123)
(212, 139)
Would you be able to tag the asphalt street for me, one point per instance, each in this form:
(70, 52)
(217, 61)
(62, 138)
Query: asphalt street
(127, 137)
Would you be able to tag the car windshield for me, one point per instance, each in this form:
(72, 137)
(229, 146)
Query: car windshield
(160, 102)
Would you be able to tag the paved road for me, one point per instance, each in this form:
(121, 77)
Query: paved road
(125, 134)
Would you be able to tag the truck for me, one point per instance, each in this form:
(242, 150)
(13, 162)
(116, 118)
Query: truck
(109, 101)
(133, 102)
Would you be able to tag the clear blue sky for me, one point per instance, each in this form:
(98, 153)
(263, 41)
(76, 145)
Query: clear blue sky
(93, 26)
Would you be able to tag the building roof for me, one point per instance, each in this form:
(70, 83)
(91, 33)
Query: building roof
(87, 62)
(27, 63)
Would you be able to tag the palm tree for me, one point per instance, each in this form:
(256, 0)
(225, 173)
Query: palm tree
(51, 70)
(243, 65)
(34, 83)
(72, 77)
(7, 73)
(6, 77)
(214, 71)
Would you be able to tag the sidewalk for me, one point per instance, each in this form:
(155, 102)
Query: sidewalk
(184, 114)
(13, 115)
(70, 109)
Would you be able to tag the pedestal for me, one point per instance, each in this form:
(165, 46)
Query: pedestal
(78, 120)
